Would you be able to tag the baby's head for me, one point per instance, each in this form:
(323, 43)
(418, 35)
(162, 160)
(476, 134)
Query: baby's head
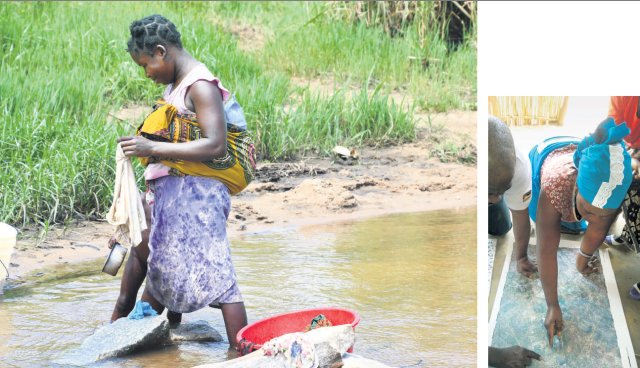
(152, 39)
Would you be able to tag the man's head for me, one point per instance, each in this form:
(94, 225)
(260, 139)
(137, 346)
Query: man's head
(502, 159)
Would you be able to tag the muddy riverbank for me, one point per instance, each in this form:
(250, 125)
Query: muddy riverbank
(311, 190)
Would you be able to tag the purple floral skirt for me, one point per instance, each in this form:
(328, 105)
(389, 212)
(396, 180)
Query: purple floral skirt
(189, 263)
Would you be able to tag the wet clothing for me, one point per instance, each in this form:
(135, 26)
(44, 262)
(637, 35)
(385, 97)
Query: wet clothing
(126, 212)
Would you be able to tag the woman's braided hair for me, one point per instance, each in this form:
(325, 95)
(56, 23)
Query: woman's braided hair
(151, 31)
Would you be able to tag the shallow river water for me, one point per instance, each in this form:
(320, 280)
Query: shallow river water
(411, 277)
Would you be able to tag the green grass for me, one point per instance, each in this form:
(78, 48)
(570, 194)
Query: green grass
(356, 52)
(64, 67)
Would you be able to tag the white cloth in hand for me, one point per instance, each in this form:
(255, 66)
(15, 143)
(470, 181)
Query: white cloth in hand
(126, 212)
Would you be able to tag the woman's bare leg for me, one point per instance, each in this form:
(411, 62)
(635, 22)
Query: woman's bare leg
(135, 270)
(155, 304)
(235, 318)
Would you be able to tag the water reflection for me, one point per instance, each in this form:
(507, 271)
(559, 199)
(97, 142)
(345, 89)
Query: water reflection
(412, 278)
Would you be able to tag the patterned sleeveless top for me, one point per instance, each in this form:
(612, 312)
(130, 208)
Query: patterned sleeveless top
(558, 180)
(176, 95)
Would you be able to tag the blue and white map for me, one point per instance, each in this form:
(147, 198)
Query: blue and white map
(589, 338)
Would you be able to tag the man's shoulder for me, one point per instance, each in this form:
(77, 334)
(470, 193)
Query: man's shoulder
(519, 194)
(523, 166)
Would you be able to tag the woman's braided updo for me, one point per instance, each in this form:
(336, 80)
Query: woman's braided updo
(151, 31)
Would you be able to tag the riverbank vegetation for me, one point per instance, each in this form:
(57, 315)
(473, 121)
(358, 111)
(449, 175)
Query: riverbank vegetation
(65, 69)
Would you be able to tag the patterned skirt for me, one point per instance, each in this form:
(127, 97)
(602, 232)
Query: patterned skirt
(189, 263)
(631, 209)
(632, 219)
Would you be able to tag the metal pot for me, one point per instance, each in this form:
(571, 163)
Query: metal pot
(115, 259)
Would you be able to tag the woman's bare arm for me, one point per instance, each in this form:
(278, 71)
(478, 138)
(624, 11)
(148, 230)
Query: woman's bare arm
(207, 104)
(548, 238)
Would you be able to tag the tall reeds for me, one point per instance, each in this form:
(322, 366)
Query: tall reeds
(404, 45)
(450, 20)
(529, 110)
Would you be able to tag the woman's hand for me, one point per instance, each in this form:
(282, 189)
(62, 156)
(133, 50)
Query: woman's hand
(136, 146)
(112, 241)
(526, 267)
(586, 265)
(553, 323)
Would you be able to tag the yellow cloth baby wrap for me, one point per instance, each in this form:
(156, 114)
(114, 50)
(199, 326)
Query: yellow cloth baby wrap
(236, 169)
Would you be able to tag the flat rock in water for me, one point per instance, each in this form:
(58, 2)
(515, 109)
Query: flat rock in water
(199, 331)
(119, 338)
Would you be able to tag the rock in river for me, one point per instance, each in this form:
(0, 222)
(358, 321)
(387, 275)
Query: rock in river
(126, 336)
(119, 338)
(199, 331)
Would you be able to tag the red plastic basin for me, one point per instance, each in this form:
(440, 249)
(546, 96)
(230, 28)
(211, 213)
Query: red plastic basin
(254, 335)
